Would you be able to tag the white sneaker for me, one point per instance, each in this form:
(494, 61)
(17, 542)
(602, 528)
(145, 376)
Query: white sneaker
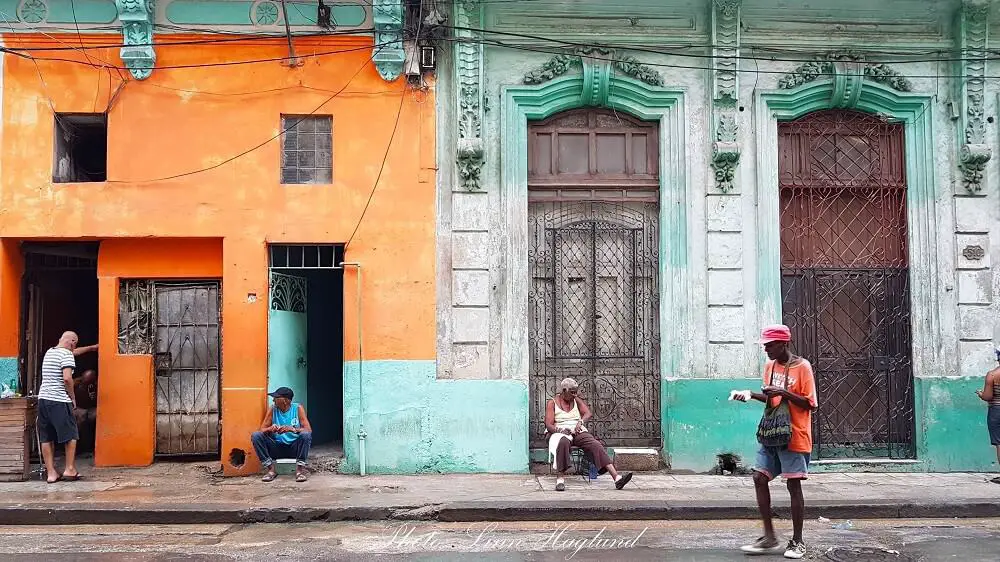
(795, 550)
(763, 546)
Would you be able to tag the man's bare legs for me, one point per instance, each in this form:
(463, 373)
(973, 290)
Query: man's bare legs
(70, 470)
(760, 483)
(798, 508)
(48, 457)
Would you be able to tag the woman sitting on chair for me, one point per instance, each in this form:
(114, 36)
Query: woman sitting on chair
(564, 418)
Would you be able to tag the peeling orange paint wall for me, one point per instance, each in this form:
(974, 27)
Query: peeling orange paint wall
(219, 221)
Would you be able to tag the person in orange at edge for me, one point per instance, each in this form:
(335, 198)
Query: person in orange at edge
(786, 439)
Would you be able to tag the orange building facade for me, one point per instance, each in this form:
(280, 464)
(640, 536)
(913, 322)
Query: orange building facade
(194, 200)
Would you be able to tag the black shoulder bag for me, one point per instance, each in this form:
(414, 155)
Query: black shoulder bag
(775, 427)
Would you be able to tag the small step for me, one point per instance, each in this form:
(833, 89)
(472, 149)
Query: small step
(637, 459)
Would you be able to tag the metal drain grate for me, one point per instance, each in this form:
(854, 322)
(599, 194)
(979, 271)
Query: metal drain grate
(865, 554)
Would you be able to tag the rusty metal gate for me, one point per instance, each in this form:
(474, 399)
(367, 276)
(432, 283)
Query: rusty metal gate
(593, 260)
(845, 278)
(179, 324)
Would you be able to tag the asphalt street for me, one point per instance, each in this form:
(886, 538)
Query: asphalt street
(680, 541)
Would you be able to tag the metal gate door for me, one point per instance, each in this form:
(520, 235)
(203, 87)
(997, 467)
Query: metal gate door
(594, 316)
(186, 356)
(593, 192)
(845, 278)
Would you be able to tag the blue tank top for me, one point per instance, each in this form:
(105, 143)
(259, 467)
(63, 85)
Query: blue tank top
(289, 418)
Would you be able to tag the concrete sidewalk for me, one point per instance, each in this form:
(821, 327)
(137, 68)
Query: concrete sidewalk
(171, 493)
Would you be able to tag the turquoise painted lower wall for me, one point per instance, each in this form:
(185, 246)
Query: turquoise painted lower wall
(700, 422)
(417, 423)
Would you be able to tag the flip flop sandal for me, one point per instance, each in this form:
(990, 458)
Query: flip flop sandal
(73, 478)
(623, 480)
(59, 479)
(560, 487)
(300, 477)
(269, 477)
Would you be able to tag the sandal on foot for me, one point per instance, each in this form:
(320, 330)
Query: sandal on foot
(560, 486)
(620, 483)
(73, 478)
(58, 479)
(301, 477)
(270, 476)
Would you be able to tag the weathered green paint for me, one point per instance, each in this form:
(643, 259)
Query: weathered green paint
(220, 12)
(914, 111)
(286, 353)
(9, 377)
(951, 426)
(416, 423)
(208, 12)
(700, 422)
(343, 15)
(87, 11)
(530, 102)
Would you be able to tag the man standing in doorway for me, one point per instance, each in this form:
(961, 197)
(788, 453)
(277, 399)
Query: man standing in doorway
(785, 435)
(56, 402)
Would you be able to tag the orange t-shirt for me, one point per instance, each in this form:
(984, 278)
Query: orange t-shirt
(801, 382)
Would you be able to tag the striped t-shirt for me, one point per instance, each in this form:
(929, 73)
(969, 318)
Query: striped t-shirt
(53, 387)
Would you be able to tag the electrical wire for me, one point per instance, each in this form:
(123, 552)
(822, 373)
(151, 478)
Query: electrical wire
(385, 158)
(258, 146)
(388, 147)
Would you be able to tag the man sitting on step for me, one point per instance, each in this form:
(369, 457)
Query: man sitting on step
(564, 418)
(284, 433)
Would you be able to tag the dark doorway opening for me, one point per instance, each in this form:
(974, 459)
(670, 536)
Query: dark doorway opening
(306, 314)
(59, 292)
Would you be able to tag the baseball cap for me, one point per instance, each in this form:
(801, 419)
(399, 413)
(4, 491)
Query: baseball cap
(282, 392)
(777, 332)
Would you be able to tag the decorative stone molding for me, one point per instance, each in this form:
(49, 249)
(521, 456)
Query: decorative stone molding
(596, 64)
(974, 151)
(388, 53)
(973, 253)
(33, 11)
(726, 51)
(725, 151)
(849, 72)
(138, 55)
(629, 94)
(469, 75)
(725, 90)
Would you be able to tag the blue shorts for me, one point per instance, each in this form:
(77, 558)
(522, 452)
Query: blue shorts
(775, 461)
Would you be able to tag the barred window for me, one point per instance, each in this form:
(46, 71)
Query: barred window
(307, 149)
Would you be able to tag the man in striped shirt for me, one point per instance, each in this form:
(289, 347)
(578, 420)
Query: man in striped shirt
(56, 402)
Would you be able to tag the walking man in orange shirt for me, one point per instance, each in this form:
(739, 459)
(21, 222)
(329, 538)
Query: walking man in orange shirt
(785, 435)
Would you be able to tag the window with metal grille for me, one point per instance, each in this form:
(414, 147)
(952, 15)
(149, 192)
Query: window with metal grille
(307, 149)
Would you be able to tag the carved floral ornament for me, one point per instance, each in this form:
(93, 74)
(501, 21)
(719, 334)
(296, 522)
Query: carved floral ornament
(601, 60)
(847, 65)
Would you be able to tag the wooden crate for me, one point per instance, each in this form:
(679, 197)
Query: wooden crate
(17, 431)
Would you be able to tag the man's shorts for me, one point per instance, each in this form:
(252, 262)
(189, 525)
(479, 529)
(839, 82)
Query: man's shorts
(775, 461)
(56, 422)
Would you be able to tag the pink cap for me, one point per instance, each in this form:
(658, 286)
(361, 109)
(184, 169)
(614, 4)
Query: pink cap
(778, 332)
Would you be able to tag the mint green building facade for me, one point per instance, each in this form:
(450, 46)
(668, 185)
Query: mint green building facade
(716, 77)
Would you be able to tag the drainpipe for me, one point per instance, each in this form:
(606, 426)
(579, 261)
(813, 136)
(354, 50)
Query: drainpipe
(362, 435)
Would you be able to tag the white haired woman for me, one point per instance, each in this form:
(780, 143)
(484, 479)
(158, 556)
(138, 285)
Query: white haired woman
(564, 418)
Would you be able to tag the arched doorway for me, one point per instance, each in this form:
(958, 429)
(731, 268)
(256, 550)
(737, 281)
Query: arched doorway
(845, 278)
(593, 301)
